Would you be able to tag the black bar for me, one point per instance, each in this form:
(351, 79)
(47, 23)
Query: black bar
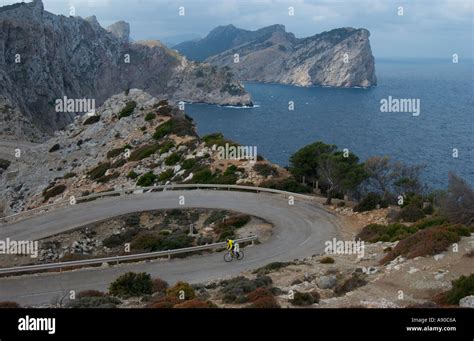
(286, 324)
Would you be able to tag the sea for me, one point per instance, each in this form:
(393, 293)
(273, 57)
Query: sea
(420, 112)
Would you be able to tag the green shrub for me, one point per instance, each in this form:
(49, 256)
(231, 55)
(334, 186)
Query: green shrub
(165, 147)
(181, 288)
(195, 304)
(370, 202)
(352, 283)
(288, 184)
(225, 179)
(94, 302)
(373, 233)
(413, 199)
(172, 159)
(150, 116)
(132, 175)
(107, 178)
(166, 302)
(241, 286)
(217, 139)
(54, 191)
(159, 285)
(163, 130)
(69, 175)
(118, 163)
(303, 299)
(229, 298)
(146, 242)
(203, 176)
(429, 222)
(146, 179)
(131, 220)
(238, 220)
(144, 152)
(428, 210)
(127, 110)
(216, 216)
(327, 260)
(214, 138)
(90, 293)
(411, 213)
(265, 169)
(162, 102)
(233, 89)
(189, 163)
(4, 164)
(161, 242)
(116, 240)
(231, 170)
(91, 120)
(165, 110)
(132, 284)
(258, 294)
(99, 171)
(429, 241)
(166, 175)
(271, 267)
(238, 286)
(265, 303)
(9, 305)
(461, 287)
(114, 152)
(227, 232)
(176, 125)
(176, 240)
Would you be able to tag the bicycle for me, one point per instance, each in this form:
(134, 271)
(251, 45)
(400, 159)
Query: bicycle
(229, 256)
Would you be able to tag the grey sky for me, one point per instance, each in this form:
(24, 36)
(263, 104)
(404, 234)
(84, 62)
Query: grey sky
(428, 28)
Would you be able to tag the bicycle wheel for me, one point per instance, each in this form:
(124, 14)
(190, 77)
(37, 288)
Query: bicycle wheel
(228, 257)
(241, 255)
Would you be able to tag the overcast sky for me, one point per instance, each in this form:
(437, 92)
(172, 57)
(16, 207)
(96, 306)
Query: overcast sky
(428, 28)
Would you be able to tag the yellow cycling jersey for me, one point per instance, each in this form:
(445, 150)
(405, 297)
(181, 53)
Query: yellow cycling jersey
(230, 244)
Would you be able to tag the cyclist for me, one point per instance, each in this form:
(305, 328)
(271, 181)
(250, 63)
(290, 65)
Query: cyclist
(231, 246)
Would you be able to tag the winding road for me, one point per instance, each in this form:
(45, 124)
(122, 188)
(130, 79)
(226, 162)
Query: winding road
(300, 230)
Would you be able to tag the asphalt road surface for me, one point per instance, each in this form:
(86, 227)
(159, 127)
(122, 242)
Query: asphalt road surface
(299, 231)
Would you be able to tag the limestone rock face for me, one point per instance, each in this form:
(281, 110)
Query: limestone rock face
(339, 58)
(44, 57)
(121, 30)
(467, 302)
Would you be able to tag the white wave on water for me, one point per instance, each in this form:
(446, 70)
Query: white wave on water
(240, 107)
(226, 106)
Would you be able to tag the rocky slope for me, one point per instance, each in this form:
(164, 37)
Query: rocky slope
(340, 57)
(134, 139)
(44, 57)
(222, 38)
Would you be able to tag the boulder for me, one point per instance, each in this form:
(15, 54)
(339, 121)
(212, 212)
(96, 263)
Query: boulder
(467, 302)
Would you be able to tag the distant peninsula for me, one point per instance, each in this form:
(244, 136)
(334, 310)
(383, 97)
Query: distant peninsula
(339, 58)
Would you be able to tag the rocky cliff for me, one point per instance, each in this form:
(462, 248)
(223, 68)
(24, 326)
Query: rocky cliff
(44, 57)
(340, 57)
(134, 139)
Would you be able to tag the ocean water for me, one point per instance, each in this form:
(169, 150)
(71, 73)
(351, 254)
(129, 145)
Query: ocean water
(352, 118)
